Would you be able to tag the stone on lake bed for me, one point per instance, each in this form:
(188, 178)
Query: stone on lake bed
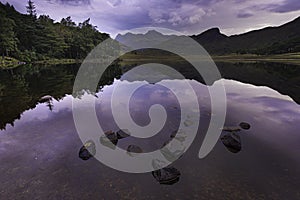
(88, 150)
(188, 122)
(173, 134)
(167, 175)
(109, 139)
(232, 142)
(244, 125)
(157, 164)
(112, 136)
(134, 149)
(123, 133)
(173, 151)
(231, 128)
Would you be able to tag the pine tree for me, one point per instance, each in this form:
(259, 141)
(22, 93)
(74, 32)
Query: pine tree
(31, 8)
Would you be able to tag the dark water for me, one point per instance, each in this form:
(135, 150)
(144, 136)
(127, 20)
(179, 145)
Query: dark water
(39, 143)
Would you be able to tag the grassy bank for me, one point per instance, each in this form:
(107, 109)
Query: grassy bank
(291, 58)
(8, 62)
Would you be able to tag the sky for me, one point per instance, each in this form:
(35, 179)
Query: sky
(186, 16)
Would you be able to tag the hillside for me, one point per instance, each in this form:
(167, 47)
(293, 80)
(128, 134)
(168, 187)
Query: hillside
(27, 37)
(270, 40)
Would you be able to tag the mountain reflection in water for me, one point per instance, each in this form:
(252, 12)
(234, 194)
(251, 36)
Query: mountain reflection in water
(39, 154)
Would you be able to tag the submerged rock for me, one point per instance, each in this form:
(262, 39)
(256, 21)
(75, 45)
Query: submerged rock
(158, 164)
(231, 128)
(244, 125)
(167, 175)
(134, 149)
(188, 122)
(173, 134)
(232, 142)
(173, 151)
(179, 135)
(109, 140)
(88, 150)
(124, 133)
(112, 136)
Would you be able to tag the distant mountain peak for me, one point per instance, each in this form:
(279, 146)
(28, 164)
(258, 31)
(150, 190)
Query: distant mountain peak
(152, 37)
(213, 30)
(153, 32)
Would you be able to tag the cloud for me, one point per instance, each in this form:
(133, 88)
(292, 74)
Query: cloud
(186, 16)
(244, 15)
(114, 3)
(72, 2)
(287, 6)
(278, 7)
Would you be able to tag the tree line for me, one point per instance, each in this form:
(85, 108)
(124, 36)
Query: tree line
(27, 37)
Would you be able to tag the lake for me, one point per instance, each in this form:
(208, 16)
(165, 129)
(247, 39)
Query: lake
(39, 142)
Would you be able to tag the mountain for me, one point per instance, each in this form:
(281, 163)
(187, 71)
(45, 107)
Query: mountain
(213, 41)
(269, 40)
(139, 40)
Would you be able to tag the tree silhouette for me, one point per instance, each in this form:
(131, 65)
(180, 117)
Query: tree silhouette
(31, 8)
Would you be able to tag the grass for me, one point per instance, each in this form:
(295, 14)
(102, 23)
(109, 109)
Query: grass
(289, 58)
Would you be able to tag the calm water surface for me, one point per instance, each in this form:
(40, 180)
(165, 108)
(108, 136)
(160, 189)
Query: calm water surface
(39, 143)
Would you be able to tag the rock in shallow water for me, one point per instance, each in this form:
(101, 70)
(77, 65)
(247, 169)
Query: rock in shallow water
(231, 129)
(167, 175)
(109, 140)
(88, 150)
(232, 142)
(134, 149)
(124, 133)
(244, 125)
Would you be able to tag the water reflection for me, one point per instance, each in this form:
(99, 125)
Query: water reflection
(243, 97)
(21, 88)
(48, 100)
(39, 155)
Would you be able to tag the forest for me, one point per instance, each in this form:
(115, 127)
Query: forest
(29, 38)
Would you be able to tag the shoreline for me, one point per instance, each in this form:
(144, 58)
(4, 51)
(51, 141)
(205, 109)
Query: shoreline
(11, 63)
(291, 58)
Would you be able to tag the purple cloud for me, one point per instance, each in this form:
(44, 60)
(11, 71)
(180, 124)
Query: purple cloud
(244, 15)
(186, 16)
(283, 7)
(287, 6)
(72, 2)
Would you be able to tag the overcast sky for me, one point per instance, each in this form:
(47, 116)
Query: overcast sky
(186, 16)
